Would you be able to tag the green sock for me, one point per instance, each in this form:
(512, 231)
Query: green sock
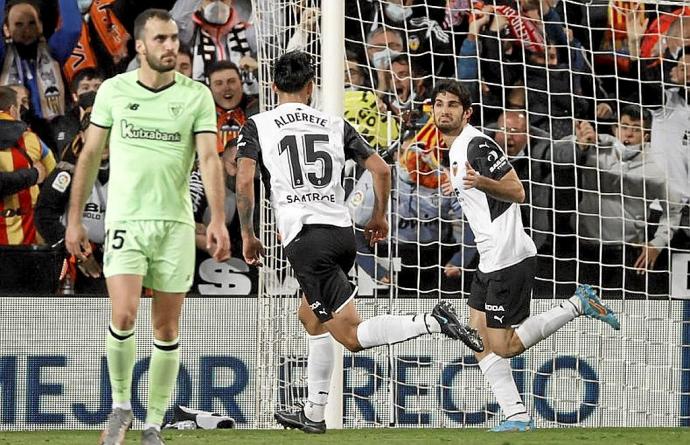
(121, 350)
(163, 368)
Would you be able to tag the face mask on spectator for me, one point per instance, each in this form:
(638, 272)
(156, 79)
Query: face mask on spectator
(86, 100)
(216, 12)
(84, 5)
(382, 59)
(398, 13)
(24, 114)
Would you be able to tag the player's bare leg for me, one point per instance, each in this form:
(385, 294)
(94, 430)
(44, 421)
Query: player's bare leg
(125, 293)
(166, 310)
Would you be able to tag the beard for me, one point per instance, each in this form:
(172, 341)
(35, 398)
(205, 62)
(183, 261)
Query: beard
(158, 65)
(448, 127)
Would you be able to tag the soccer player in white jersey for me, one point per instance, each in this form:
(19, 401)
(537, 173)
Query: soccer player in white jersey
(489, 191)
(153, 120)
(301, 152)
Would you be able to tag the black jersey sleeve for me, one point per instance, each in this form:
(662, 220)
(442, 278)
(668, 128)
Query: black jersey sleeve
(356, 147)
(248, 141)
(51, 205)
(487, 158)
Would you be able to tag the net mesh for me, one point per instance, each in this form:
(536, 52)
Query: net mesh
(565, 75)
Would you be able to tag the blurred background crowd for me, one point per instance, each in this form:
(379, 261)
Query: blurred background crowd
(589, 100)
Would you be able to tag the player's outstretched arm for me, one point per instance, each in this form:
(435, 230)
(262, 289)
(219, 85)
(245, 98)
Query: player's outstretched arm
(217, 238)
(508, 188)
(76, 239)
(244, 186)
(377, 228)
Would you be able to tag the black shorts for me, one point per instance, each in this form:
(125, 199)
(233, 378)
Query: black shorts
(321, 257)
(504, 295)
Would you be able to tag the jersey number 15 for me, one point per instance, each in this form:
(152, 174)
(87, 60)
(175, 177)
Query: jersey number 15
(290, 144)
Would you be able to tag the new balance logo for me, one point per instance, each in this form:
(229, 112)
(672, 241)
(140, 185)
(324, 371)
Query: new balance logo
(500, 319)
(132, 106)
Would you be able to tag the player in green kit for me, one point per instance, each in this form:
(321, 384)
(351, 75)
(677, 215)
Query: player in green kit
(153, 118)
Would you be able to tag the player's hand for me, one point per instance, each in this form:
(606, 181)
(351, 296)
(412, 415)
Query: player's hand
(89, 267)
(218, 241)
(452, 271)
(41, 172)
(471, 178)
(376, 229)
(647, 259)
(585, 135)
(604, 111)
(447, 187)
(252, 249)
(77, 241)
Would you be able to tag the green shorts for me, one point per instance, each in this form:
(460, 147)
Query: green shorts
(163, 252)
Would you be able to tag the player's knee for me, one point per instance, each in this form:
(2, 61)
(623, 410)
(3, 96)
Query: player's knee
(352, 344)
(166, 332)
(124, 321)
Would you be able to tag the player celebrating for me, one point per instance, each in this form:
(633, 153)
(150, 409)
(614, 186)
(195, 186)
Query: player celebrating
(488, 190)
(302, 152)
(157, 117)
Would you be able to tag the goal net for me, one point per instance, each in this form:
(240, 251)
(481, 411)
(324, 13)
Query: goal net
(564, 87)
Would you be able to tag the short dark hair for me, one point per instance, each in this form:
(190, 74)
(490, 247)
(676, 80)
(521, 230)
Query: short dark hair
(144, 17)
(86, 73)
(637, 112)
(12, 3)
(185, 49)
(220, 66)
(293, 71)
(8, 98)
(453, 87)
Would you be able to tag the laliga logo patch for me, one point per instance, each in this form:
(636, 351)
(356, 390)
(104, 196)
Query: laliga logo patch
(175, 109)
(413, 43)
(357, 198)
(61, 181)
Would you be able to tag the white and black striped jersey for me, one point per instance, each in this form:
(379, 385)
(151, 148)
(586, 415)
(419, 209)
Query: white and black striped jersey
(302, 152)
(497, 225)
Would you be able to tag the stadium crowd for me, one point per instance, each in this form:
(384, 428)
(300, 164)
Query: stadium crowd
(587, 99)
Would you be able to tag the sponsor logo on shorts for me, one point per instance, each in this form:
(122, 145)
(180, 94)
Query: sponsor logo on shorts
(494, 308)
(500, 319)
(315, 305)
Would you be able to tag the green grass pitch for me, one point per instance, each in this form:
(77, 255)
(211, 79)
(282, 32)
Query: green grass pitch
(563, 436)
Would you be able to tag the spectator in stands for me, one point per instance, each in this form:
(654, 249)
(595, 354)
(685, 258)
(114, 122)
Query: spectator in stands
(51, 215)
(233, 105)
(214, 32)
(620, 182)
(65, 128)
(423, 210)
(37, 124)
(364, 108)
(355, 75)
(428, 44)
(30, 59)
(407, 90)
(529, 151)
(666, 90)
(382, 46)
(184, 61)
(20, 149)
